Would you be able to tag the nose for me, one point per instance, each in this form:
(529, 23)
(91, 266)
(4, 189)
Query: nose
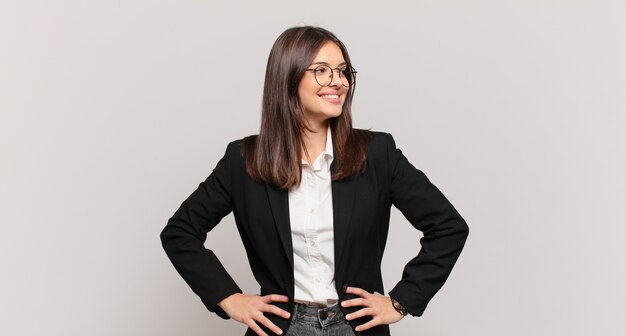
(336, 78)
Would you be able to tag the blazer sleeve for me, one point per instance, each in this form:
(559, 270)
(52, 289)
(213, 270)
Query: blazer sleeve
(445, 232)
(185, 233)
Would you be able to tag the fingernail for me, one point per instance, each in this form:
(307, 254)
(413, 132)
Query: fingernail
(343, 303)
(280, 332)
(345, 288)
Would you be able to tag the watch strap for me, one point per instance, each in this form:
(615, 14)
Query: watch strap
(398, 307)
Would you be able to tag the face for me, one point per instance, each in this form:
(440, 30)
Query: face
(321, 103)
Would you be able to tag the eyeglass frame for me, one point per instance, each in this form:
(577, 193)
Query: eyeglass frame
(332, 73)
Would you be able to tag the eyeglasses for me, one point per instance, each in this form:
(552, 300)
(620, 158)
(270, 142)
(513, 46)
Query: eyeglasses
(324, 75)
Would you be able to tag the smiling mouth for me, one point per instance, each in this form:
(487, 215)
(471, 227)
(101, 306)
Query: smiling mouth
(332, 98)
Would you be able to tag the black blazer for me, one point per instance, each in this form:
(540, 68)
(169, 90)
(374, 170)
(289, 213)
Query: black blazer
(361, 208)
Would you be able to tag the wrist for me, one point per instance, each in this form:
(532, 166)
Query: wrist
(224, 303)
(398, 307)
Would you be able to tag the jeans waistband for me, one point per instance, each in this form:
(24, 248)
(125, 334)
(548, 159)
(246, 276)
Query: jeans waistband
(328, 303)
(324, 316)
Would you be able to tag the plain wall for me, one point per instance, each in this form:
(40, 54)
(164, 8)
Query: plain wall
(112, 113)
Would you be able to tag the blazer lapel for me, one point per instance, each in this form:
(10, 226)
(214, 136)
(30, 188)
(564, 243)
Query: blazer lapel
(279, 204)
(343, 199)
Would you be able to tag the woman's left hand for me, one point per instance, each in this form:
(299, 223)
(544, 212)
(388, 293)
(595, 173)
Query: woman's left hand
(376, 305)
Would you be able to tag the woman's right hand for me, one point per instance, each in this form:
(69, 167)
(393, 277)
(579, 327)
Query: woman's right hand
(249, 309)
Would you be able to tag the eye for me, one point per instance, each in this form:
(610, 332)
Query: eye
(321, 70)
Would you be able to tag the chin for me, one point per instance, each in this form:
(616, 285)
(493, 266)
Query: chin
(335, 112)
(332, 115)
(325, 114)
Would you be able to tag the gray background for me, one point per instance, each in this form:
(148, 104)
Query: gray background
(112, 112)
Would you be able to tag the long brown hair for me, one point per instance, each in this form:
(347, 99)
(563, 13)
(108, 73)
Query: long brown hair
(274, 155)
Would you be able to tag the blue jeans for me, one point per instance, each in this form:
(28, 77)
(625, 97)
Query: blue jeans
(312, 321)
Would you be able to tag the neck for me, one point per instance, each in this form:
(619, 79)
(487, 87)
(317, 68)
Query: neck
(314, 142)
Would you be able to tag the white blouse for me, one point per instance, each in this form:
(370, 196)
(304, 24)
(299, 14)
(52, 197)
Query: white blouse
(311, 217)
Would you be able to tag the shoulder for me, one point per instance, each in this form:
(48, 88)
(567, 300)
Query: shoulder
(236, 149)
(375, 138)
(378, 142)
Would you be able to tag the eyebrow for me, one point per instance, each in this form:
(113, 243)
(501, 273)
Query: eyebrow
(326, 63)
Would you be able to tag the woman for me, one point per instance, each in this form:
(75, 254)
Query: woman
(311, 198)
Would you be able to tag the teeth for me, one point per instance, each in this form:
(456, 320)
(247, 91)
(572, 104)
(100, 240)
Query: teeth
(330, 96)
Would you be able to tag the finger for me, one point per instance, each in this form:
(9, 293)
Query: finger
(371, 323)
(357, 291)
(354, 302)
(269, 325)
(250, 323)
(276, 311)
(275, 298)
(359, 313)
